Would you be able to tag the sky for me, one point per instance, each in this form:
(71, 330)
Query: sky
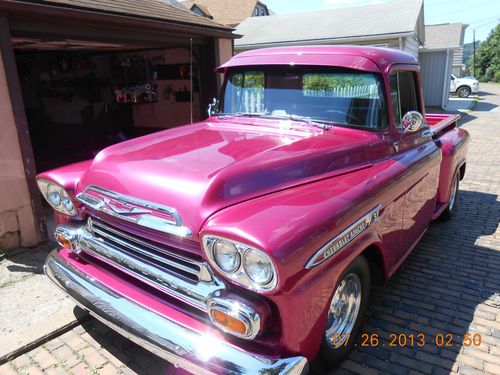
(481, 15)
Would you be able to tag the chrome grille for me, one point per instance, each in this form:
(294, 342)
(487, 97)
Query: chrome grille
(148, 252)
(175, 274)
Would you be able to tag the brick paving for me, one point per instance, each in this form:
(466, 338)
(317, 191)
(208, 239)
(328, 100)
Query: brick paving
(448, 289)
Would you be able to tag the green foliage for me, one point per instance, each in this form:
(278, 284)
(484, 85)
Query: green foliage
(487, 64)
(249, 80)
(468, 51)
(330, 81)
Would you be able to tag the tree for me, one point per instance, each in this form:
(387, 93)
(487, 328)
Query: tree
(487, 64)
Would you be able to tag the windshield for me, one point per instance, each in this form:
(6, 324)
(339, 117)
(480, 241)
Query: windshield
(351, 98)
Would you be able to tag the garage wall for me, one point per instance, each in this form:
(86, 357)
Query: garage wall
(17, 225)
(167, 112)
(433, 75)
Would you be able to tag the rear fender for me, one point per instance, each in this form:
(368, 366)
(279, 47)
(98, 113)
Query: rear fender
(454, 150)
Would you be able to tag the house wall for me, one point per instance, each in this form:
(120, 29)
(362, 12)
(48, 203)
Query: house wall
(435, 76)
(410, 45)
(17, 224)
(458, 56)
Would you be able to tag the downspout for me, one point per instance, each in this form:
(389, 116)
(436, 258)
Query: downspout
(446, 83)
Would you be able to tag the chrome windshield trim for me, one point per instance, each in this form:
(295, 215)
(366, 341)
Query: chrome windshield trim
(193, 293)
(145, 218)
(195, 351)
(345, 237)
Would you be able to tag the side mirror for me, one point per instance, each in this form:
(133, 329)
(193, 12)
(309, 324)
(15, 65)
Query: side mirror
(212, 106)
(412, 121)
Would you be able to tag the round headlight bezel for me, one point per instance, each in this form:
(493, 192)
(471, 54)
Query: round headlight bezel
(259, 254)
(51, 189)
(229, 247)
(239, 275)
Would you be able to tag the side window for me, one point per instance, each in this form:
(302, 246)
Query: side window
(395, 98)
(403, 94)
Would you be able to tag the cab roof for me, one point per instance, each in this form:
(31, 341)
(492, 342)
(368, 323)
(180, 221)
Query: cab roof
(372, 59)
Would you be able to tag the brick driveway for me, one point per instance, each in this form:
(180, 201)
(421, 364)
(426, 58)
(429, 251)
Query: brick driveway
(450, 285)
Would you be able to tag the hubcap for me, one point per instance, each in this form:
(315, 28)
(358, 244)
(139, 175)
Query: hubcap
(463, 92)
(344, 310)
(453, 193)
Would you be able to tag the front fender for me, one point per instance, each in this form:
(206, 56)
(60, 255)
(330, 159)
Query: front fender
(68, 177)
(291, 226)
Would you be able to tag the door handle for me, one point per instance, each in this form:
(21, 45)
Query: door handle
(396, 145)
(427, 133)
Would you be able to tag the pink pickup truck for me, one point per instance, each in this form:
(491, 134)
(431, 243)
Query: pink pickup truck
(247, 243)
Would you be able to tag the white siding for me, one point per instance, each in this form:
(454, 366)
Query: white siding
(435, 76)
(410, 45)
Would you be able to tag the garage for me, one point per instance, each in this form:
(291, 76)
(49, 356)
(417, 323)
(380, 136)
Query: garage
(83, 75)
(79, 101)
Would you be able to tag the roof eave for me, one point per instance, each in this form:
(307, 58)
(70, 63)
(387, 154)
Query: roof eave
(325, 40)
(437, 49)
(87, 14)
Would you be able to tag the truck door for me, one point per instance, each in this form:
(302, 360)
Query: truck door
(420, 156)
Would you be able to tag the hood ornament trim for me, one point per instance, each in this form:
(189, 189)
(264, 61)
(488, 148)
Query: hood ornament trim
(147, 214)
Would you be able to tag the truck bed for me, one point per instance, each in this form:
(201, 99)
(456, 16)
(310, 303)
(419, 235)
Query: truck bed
(453, 143)
(441, 122)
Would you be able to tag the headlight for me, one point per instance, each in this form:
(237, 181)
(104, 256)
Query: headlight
(257, 266)
(226, 256)
(57, 197)
(244, 264)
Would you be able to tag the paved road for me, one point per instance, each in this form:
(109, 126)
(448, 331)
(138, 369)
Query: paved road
(447, 289)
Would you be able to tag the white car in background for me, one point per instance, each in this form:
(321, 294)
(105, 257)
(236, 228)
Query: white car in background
(463, 87)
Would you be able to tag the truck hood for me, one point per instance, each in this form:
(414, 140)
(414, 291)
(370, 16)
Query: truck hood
(201, 168)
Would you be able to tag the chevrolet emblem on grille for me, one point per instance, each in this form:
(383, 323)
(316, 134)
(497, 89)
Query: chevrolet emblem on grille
(134, 210)
(123, 208)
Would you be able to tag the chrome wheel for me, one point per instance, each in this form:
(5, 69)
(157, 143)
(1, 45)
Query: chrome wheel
(344, 310)
(453, 193)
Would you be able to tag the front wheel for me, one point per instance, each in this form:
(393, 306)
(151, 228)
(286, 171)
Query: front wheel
(464, 91)
(346, 312)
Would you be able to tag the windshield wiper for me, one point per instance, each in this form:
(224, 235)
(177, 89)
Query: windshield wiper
(239, 114)
(323, 124)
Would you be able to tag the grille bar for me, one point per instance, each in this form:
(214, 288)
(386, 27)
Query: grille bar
(150, 252)
(192, 292)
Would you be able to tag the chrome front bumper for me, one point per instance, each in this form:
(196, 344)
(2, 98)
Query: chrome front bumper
(180, 345)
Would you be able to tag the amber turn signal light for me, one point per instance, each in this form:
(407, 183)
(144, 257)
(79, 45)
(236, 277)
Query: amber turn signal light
(229, 322)
(64, 241)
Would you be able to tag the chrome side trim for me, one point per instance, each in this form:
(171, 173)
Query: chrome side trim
(194, 351)
(144, 217)
(345, 237)
(195, 294)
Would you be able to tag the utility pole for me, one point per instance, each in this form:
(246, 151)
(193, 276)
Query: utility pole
(474, 52)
